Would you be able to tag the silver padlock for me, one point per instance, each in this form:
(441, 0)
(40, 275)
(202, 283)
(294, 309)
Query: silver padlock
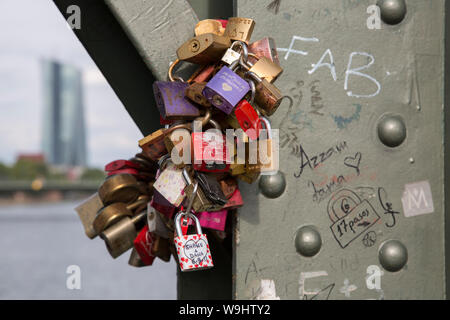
(120, 236)
(232, 55)
(156, 223)
(193, 249)
(87, 211)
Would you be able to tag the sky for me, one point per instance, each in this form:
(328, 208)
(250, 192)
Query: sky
(31, 30)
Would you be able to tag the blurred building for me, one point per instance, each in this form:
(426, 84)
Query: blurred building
(64, 136)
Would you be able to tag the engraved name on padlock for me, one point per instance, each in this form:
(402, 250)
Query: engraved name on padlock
(226, 89)
(192, 249)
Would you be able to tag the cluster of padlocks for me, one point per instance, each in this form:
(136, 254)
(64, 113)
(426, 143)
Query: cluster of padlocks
(147, 203)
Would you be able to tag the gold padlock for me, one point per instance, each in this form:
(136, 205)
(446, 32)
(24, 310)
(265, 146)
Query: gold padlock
(119, 188)
(209, 26)
(194, 93)
(135, 260)
(160, 248)
(267, 97)
(114, 212)
(239, 29)
(153, 145)
(263, 68)
(204, 49)
(87, 211)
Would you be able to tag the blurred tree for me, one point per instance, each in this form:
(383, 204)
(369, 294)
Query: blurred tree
(93, 174)
(5, 172)
(28, 170)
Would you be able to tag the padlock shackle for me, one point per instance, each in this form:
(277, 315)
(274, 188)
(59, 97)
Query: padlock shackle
(253, 76)
(178, 222)
(170, 71)
(267, 125)
(252, 90)
(139, 202)
(244, 48)
(162, 162)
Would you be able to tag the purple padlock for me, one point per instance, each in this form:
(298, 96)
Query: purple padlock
(226, 89)
(213, 220)
(171, 101)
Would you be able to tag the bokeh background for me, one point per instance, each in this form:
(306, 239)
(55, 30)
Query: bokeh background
(40, 234)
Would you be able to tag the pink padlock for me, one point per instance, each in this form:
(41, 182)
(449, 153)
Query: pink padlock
(213, 220)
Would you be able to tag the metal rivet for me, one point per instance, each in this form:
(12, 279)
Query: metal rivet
(393, 255)
(392, 131)
(411, 160)
(308, 241)
(392, 11)
(272, 186)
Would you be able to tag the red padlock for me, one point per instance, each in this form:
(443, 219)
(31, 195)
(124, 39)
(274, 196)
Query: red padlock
(235, 201)
(143, 245)
(223, 22)
(120, 164)
(131, 171)
(248, 119)
(210, 152)
(162, 205)
(163, 121)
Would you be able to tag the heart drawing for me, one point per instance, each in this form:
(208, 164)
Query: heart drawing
(226, 87)
(196, 251)
(353, 162)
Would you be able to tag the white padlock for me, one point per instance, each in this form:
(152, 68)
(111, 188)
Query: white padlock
(192, 249)
(232, 55)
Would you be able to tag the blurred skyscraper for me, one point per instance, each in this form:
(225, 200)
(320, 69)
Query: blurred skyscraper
(64, 136)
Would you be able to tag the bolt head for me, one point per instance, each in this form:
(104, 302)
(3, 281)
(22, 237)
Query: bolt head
(392, 130)
(392, 11)
(272, 186)
(393, 255)
(308, 241)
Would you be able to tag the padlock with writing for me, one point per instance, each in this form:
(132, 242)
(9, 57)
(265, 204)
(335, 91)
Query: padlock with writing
(192, 249)
(209, 26)
(239, 29)
(226, 88)
(264, 48)
(170, 184)
(203, 49)
(267, 97)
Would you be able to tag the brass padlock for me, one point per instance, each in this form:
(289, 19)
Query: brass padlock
(153, 145)
(135, 260)
(119, 188)
(267, 97)
(87, 211)
(204, 49)
(239, 29)
(249, 177)
(209, 26)
(109, 215)
(263, 68)
(160, 248)
(200, 202)
(120, 236)
(194, 93)
(204, 73)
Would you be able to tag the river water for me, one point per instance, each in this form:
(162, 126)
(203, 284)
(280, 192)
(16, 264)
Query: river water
(39, 242)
